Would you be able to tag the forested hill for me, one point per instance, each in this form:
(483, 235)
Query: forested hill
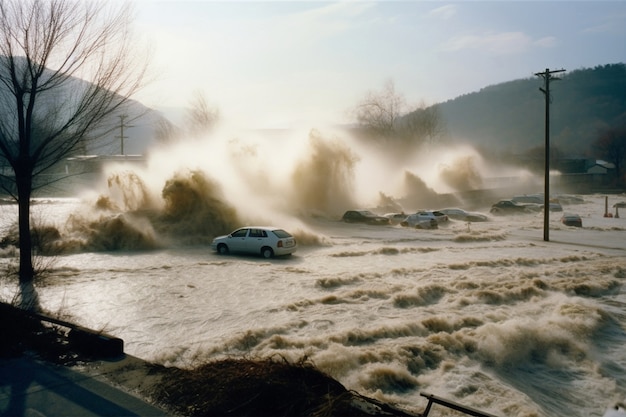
(510, 116)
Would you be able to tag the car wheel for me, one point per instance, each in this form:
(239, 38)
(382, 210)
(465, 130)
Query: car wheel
(222, 249)
(267, 253)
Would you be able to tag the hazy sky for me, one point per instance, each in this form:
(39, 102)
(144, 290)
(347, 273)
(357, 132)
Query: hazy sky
(276, 64)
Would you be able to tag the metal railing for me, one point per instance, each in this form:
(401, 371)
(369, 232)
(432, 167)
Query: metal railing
(453, 405)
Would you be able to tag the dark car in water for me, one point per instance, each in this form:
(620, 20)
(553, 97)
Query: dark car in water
(364, 216)
(467, 216)
(571, 219)
(511, 207)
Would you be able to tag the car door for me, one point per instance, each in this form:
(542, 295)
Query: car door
(257, 238)
(415, 219)
(420, 217)
(238, 240)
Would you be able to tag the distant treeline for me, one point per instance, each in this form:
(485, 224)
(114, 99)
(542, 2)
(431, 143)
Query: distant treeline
(509, 117)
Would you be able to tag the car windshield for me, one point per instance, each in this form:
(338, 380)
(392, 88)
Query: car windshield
(281, 233)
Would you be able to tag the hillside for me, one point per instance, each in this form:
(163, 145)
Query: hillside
(510, 116)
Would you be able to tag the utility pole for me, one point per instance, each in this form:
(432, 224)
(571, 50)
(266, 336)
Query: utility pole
(121, 136)
(547, 77)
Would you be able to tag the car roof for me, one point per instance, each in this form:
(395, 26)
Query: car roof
(366, 212)
(270, 228)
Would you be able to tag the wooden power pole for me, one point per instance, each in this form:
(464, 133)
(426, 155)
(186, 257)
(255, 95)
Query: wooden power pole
(547, 77)
(121, 136)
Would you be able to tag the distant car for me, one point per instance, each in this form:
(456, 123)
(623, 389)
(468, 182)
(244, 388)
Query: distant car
(396, 218)
(533, 200)
(569, 199)
(510, 206)
(429, 224)
(555, 205)
(422, 220)
(257, 240)
(364, 216)
(570, 219)
(528, 198)
(466, 216)
(440, 216)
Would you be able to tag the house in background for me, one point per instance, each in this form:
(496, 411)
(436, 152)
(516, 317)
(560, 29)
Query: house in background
(584, 175)
(600, 167)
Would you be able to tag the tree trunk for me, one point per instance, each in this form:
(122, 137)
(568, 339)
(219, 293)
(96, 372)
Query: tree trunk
(28, 298)
(26, 260)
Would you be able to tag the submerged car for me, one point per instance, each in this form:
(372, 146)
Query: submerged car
(534, 200)
(510, 207)
(423, 220)
(364, 216)
(555, 205)
(528, 198)
(440, 216)
(571, 219)
(396, 218)
(466, 216)
(569, 199)
(257, 240)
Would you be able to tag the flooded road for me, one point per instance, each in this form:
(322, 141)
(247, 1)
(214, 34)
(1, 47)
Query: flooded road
(487, 314)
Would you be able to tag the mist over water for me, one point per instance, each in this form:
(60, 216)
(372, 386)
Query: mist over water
(484, 314)
(194, 190)
(323, 180)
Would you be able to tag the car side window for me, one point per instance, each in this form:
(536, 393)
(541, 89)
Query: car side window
(240, 233)
(258, 233)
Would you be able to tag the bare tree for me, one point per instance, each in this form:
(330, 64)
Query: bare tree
(201, 117)
(378, 112)
(66, 69)
(384, 115)
(424, 125)
(166, 131)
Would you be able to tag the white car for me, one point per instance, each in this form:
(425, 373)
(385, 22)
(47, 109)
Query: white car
(460, 214)
(260, 240)
(396, 218)
(423, 220)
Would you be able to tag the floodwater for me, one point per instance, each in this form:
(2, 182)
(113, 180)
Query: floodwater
(486, 314)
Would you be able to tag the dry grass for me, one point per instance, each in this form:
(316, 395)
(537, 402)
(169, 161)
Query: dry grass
(265, 387)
